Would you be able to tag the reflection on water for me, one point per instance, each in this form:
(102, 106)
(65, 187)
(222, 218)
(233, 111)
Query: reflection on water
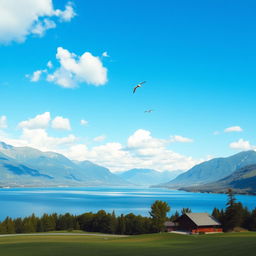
(20, 202)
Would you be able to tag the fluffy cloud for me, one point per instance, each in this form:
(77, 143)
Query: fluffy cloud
(241, 144)
(99, 138)
(233, 129)
(18, 19)
(34, 133)
(40, 121)
(84, 122)
(40, 28)
(143, 139)
(117, 157)
(40, 139)
(105, 54)
(142, 151)
(35, 77)
(67, 14)
(61, 123)
(178, 138)
(78, 69)
(3, 122)
(49, 64)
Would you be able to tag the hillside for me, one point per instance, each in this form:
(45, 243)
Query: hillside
(13, 173)
(23, 166)
(213, 170)
(241, 181)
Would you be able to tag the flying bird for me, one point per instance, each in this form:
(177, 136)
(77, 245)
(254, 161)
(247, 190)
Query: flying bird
(148, 111)
(137, 86)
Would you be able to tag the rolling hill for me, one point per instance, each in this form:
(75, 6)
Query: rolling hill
(242, 180)
(212, 170)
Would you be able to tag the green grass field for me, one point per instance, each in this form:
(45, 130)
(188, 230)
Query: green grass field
(156, 244)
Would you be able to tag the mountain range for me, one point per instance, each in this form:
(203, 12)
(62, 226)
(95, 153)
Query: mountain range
(25, 166)
(148, 177)
(212, 170)
(242, 180)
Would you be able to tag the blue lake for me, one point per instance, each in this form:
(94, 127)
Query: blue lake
(20, 202)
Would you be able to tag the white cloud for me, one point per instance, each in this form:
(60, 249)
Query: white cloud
(18, 19)
(78, 69)
(99, 138)
(35, 77)
(105, 54)
(178, 138)
(242, 144)
(142, 150)
(40, 28)
(40, 139)
(84, 122)
(117, 157)
(49, 64)
(233, 129)
(67, 14)
(216, 133)
(3, 122)
(61, 123)
(142, 138)
(39, 121)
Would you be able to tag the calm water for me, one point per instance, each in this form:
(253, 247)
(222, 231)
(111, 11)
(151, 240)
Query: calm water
(20, 202)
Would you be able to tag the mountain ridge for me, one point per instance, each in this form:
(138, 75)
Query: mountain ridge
(212, 170)
(242, 180)
(61, 170)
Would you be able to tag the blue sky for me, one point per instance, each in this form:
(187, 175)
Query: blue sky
(198, 58)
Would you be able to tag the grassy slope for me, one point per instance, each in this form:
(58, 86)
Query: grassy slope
(148, 245)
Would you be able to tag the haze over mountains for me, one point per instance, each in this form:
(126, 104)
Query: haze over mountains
(25, 166)
(143, 177)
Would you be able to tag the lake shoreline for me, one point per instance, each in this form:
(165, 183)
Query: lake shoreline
(21, 202)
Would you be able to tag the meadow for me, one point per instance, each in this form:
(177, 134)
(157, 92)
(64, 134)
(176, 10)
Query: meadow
(225, 244)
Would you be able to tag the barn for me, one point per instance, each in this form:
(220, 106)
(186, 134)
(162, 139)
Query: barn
(195, 223)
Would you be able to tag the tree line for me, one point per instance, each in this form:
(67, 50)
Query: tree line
(233, 216)
(129, 224)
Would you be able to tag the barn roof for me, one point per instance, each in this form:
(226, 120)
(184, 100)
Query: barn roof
(203, 219)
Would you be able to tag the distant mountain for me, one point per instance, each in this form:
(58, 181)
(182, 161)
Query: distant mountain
(13, 173)
(93, 172)
(148, 177)
(213, 170)
(59, 168)
(242, 180)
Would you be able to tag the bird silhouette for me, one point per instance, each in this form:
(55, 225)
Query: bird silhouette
(137, 86)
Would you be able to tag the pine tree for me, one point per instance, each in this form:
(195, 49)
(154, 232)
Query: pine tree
(186, 210)
(234, 213)
(159, 210)
(121, 225)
